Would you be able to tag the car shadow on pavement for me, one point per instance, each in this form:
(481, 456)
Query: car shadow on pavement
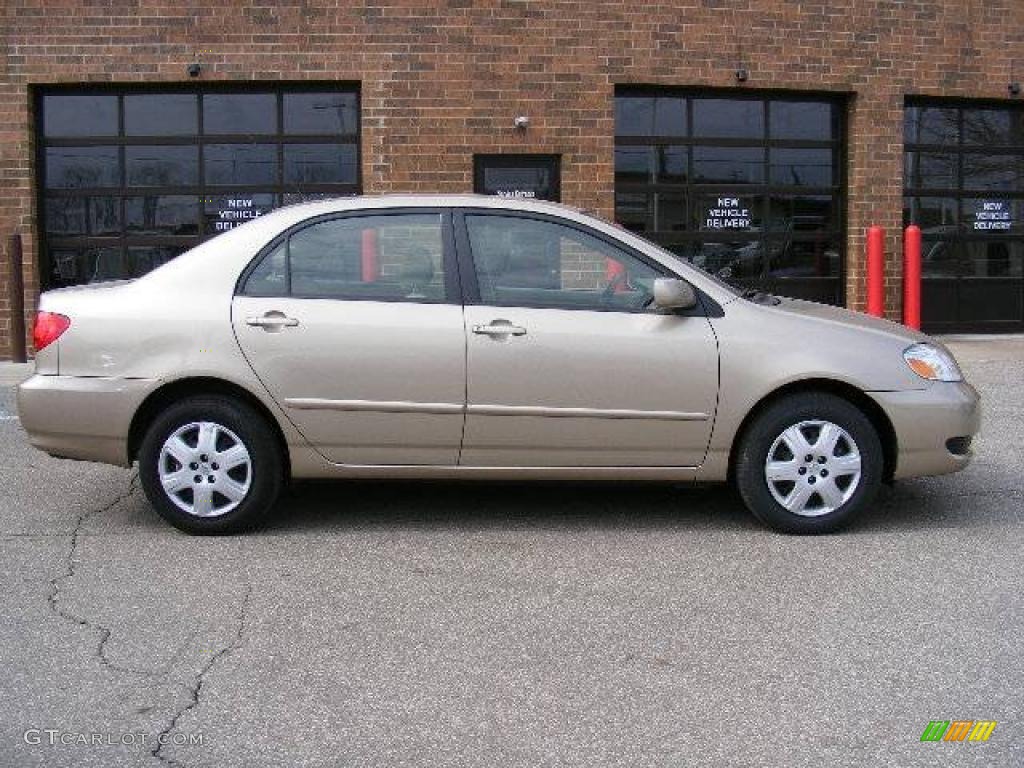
(496, 505)
(334, 505)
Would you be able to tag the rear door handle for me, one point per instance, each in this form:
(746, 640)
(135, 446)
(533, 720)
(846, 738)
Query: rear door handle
(499, 328)
(272, 321)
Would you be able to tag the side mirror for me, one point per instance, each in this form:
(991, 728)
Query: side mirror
(670, 293)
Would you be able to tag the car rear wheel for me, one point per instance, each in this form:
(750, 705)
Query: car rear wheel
(210, 465)
(809, 463)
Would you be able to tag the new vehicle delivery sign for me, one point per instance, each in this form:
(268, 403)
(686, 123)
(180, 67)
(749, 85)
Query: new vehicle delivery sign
(727, 213)
(993, 216)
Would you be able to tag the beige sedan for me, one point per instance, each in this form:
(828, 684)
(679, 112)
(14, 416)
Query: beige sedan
(478, 337)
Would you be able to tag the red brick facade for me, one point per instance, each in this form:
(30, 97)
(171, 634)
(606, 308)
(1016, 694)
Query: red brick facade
(443, 79)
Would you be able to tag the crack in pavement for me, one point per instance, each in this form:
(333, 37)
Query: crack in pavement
(53, 598)
(197, 685)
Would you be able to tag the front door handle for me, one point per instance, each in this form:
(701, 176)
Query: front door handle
(272, 321)
(499, 328)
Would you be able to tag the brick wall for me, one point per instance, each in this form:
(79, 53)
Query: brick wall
(443, 79)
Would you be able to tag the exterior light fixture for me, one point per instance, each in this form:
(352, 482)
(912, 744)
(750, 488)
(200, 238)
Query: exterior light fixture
(522, 122)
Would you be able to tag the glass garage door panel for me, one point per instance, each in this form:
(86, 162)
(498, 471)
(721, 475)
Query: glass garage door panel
(964, 186)
(748, 187)
(132, 178)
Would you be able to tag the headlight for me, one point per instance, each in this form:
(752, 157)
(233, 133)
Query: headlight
(932, 363)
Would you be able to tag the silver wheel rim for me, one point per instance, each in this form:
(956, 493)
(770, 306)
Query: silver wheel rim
(813, 468)
(205, 469)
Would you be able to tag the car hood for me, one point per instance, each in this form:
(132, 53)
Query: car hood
(846, 318)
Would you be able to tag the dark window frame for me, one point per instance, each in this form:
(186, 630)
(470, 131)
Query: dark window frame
(200, 190)
(761, 193)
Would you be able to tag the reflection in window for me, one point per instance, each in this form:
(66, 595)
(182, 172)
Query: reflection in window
(73, 116)
(650, 116)
(728, 118)
(381, 258)
(728, 165)
(931, 125)
(161, 114)
(239, 113)
(88, 216)
(163, 166)
(162, 214)
(801, 167)
(934, 215)
(240, 163)
(800, 120)
(320, 163)
(528, 262)
(82, 167)
(323, 113)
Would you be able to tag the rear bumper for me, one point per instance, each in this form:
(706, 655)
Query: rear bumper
(926, 421)
(78, 417)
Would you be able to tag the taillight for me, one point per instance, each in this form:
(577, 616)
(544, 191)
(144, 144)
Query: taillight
(47, 328)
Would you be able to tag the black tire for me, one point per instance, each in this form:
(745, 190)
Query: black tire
(759, 438)
(266, 463)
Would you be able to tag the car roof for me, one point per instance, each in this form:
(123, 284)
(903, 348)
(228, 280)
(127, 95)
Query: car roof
(431, 200)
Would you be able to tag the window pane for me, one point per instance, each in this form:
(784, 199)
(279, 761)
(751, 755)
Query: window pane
(634, 115)
(240, 163)
(801, 167)
(384, 258)
(939, 258)
(327, 113)
(994, 258)
(670, 211)
(530, 179)
(239, 113)
(162, 166)
(162, 215)
(670, 165)
(224, 212)
(800, 120)
(997, 172)
(526, 262)
(70, 216)
(81, 167)
(930, 170)
(633, 164)
(143, 259)
(934, 215)
(320, 164)
(74, 266)
(728, 118)
(67, 116)
(161, 114)
(735, 260)
(803, 213)
(994, 127)
(803, 258)
(931, 125)
(269, 278)
(633, 211)
(728, 165)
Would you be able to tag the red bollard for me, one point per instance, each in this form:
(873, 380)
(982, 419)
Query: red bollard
(912, 277)
(876, 271)
(370, 260)
(615, 274)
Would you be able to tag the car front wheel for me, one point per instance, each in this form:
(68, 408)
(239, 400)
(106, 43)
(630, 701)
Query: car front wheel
(210, 465)
(809, 463)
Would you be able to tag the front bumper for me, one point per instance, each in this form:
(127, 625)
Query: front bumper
(926, 420)
(79, 417)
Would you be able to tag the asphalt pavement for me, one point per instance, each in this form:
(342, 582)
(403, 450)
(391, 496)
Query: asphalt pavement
(441, 624)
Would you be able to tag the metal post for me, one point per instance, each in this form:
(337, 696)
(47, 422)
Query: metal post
(16, 300)
(912, 277)
(876, 271)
